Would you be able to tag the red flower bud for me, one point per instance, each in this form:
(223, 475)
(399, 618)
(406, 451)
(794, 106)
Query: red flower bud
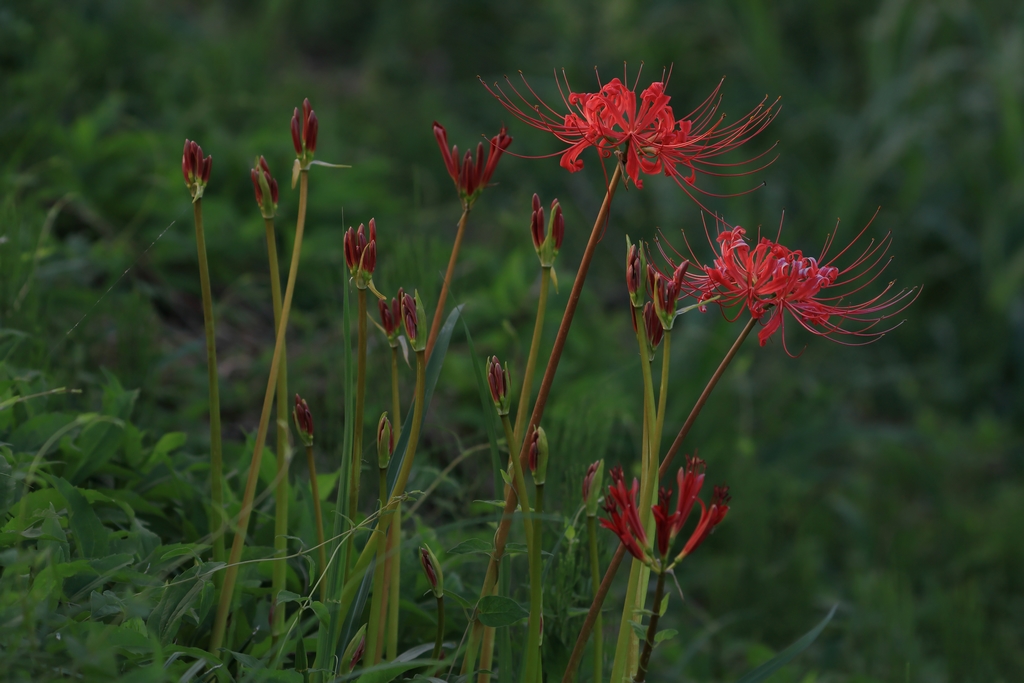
(303, 420)
(432, 570)
(474, 174)
(195, 169)
(557, 224)
(409, 316)
(537, 223)
(390, 319)
(499, 382)
(296, 133)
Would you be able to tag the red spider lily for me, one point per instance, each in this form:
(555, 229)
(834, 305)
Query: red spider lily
(473, 175)
(665, 291)
(652, 325)
(710, 517)
(303, 420)
(770, 280)
(265, 187)
(195, 168)
(390, 319)
(547, 244)
(648, 138)
(623, 518)
(499, 382)
(410, 317)
(361, 254)
(304, 132)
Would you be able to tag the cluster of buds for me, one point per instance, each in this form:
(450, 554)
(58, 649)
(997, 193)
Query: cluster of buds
(624, 520)
(547, 243)
(385, 442)
(354, 651)
(432, 570)
(195, 168)
(390, 319)
(303, 421)
(473, 174)
(592, 482)
(636, 265)
(412, 314)
(304, 131)
(361, 254)
(665, 291)
(652, 328)
(500, 383)
(539, 456)
(265, 187)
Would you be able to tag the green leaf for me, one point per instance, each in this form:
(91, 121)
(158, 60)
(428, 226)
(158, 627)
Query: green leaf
(640, 630)
(763, 672)
(288, 596)
(248, 660)
(320, 609)
(93, 538)
(664, 605)
(665, 635)
(497, 611)
(471, 545)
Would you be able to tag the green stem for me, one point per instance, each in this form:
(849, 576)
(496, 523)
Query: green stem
(375, 628)
(595, 581)
(396, 406)
(280, 569)
(217, 519)
(652, 630)
(435, 326)
(231, 573)
(357, 424)
(531, 360)
(666, 356)
(439, 638)
(394, 569)
(318, 515)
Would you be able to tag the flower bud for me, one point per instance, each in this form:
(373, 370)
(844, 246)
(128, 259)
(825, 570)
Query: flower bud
(385, 442)
(547, 243)
(539, 456)
(195, 168)
(473, 174)
(304, 131)
(635, 269)
(500, 382)
(354, 651)
(390, 320)
(413, 314)
(592, 483)
(265, 187)
(361, 253)
(303, 421)
(432, 570)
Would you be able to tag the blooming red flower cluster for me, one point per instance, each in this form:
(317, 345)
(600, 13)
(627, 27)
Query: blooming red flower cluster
(624, 520)
(361, 253)
(649, 138)
(770, 280)
(473, 175)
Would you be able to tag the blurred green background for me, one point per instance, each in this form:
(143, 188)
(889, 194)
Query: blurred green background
(887, 478)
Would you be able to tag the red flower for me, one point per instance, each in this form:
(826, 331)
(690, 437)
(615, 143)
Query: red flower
(652, 325)
(710, 517)
(623, 518)
(304, 132)
(410, 319)
(473, 175)
(772, 279)
(195, 168)
(648, 138)
(390, 319)
(303, 420)
(499, 382)
(361, 254)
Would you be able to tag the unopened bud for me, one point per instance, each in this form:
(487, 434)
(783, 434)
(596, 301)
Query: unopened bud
(500, 383)
(361, 253)
(592, 483)
(547, 243)
(195, 168)
(354, 651)
(413, 315)
(385, 442)
(635, 269)
(265, 188)
(539, 456)
(390, 319)
(304, 131)
(303, 421)
(432, 570)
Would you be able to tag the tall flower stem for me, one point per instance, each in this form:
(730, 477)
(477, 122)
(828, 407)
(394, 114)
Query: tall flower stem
(652, 630)
(666, 357)
(435, 326)
(531, 359)
(217, 527)
(231, 573)
(595, 581)
(396, 405)
(357, 433)
(280, 570)
(393, 570)
(378, 614)
(620, 553)
(439, 638)
(500, 538)
(318, 515)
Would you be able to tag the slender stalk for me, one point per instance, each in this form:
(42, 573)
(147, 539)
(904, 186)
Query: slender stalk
(652, 630)
(491, 577)
(538, 510)
(357, 434)
(231, 573)
(394, 572)
(435, 326)
(666, 357)
(595, 581)
(280, 569)
(439, 638)
(375, 629)
(487, 653)
(318, 515)
(531, 359)
(613, 567)
(217, 519)
(396, 405)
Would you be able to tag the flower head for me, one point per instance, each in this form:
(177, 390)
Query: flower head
(304, 130)
(432, 570)
(538, 456)
(770, 280)
(412, 315)
(473, 174)
(385, 442)
(361, 254)
(547, 243)
(265, 187)
(303, 420)
(390, 319)
(354, 651)
(500, 384)
(592, 482)
(643, 131)
(195, 168)
(623, 518)
(652, 326)
(665, 291)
